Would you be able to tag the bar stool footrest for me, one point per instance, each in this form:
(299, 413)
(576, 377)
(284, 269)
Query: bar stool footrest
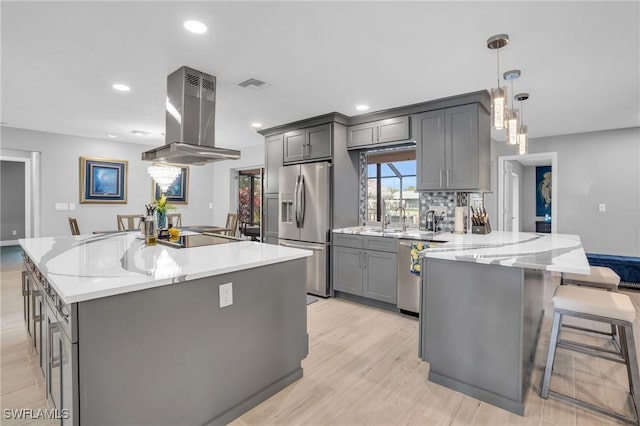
(583, 404)
(591, 350)
(590, 330)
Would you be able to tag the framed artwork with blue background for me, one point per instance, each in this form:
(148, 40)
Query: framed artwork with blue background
(103, 180)
(543, 190)
(178, 191)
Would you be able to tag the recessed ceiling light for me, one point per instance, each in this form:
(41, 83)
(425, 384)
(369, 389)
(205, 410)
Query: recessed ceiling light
(256, 125)
(111, 135)
(362, 107)
(121, 87)
(195, 27)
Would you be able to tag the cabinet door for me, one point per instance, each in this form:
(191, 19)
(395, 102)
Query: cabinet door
(347, 270)
(392, 129)
(294, 145)
(26, 304)
(273, 161)
(318, 142)
(270, 218)
(381, 276)
(461, 147)
(361, 135)
(428, 129)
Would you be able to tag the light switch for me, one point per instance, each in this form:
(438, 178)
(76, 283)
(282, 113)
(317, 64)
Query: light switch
(62, 206)
(210, 206)
(602, 208)
(72, 206)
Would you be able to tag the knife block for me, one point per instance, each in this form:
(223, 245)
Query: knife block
(480, 229)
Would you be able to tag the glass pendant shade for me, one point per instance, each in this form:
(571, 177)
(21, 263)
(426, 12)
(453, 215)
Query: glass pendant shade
(498, 107)
(163, 175)
(513, 125)
(523, 139)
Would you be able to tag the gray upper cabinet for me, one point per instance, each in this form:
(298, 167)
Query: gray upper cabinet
(273, 162)
(452, 149)
(382, 131)
(294, 146)
(318, 142)
(313, 143)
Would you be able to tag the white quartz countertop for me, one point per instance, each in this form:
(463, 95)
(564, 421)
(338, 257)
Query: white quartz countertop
(88, 267)
(549, 252)
(412, 233)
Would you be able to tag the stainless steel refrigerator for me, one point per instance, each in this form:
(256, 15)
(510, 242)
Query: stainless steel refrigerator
(304, 218)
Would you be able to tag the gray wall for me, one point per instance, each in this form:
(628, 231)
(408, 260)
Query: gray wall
(593, 168)
(60, 176)
(12, 199)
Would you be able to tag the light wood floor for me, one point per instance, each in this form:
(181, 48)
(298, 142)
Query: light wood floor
(362, 369)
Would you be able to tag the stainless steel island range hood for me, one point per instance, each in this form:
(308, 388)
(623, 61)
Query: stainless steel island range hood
(190, 122)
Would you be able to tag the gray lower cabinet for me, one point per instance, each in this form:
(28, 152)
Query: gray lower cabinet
(313, 143)
(362, 272)
(453, 149)
(270, 218)
(382, 131)
(273, 161)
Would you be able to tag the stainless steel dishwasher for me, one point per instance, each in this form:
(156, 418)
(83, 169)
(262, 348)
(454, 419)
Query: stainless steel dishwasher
(408, 282)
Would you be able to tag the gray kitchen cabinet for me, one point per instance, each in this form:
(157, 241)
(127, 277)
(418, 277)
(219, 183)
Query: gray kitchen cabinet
(294, 146)
(452, 149)
(382, 131)
(313, 143)
(347, 270)
(367, 273)
(270, 218)
(273, 161)
(380, 275)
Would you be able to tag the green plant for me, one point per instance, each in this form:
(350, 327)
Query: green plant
(162, 205)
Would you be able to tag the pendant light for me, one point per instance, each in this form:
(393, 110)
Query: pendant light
(499, 94)
(164, 174)
(523, 133)
(513, 120)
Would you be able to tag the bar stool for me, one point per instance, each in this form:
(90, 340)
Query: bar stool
(599, 277)
(606, 307)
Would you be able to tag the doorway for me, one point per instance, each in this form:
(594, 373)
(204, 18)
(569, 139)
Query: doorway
(30, 167)
(250, 202)
(517, 191)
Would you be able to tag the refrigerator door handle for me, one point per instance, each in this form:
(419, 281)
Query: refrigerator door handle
(303, 191)
(296, 202)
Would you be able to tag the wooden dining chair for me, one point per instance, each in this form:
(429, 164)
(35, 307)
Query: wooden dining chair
(73, 223)
(174, 219)
(232, 224)
(132, 222)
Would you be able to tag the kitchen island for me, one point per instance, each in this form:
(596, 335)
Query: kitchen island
(481, 309)
(133, 334)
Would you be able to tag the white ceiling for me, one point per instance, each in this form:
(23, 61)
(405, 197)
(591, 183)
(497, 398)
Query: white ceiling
(580, 61)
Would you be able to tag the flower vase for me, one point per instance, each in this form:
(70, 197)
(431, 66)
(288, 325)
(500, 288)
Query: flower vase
(162, 220)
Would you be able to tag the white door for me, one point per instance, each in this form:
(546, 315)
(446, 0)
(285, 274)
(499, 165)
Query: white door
(507, 205)
(515, 199)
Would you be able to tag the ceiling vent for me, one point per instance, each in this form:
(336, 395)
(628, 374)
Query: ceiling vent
(254, 84)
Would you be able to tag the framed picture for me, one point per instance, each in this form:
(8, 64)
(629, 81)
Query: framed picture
(178, 191)
(543, 191)
(103, 180)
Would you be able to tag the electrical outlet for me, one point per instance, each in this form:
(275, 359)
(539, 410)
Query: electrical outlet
(210, 206)
(602, 208)
(14, 232)
(226, 294)
(72, 206)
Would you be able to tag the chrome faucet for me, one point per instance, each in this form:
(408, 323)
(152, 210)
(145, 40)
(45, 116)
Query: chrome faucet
(404, 218)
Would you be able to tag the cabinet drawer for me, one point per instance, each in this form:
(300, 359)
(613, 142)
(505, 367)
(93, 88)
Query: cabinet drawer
(381, 244)
(347, 240)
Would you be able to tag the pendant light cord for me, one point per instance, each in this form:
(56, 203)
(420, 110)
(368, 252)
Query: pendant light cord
(498, 70)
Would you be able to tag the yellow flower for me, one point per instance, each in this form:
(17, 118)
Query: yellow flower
(162, 205)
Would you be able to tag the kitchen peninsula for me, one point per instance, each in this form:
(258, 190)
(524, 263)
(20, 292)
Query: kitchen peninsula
(135, 334)
(481, 307)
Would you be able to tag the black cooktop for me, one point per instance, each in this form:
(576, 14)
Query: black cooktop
(197, 240)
